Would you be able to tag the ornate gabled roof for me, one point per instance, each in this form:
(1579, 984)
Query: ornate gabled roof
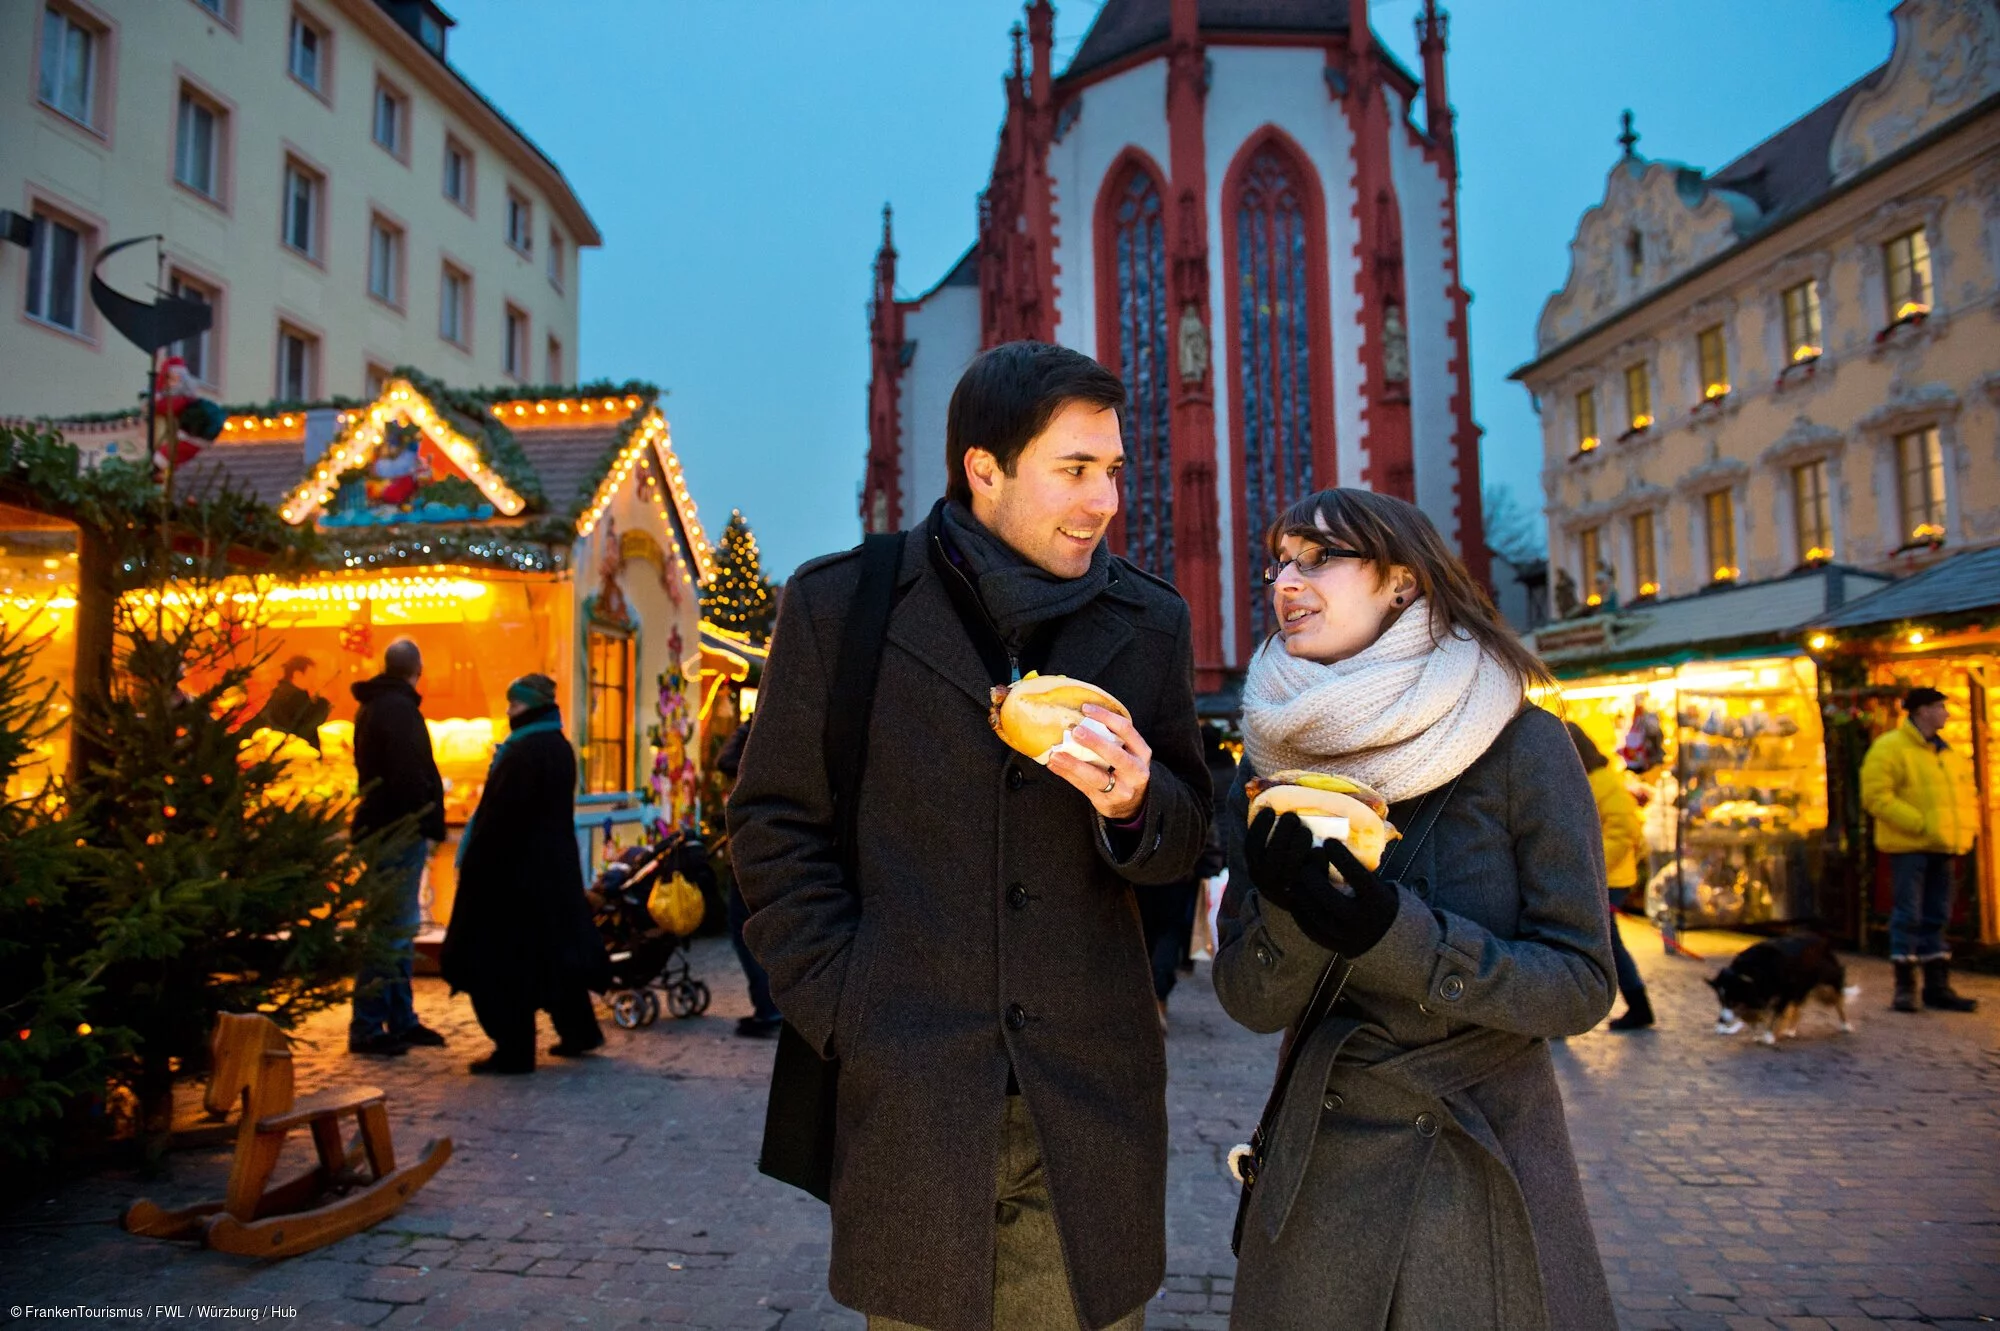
(1125, 27)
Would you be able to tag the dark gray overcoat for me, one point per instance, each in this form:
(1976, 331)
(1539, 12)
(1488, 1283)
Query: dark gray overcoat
(1416, 1180)
(996, 922)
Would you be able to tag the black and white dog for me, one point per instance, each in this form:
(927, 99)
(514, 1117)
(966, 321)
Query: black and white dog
(1769, 983)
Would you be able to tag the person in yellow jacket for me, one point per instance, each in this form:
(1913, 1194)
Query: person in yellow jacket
(1624, 839)
(1920, 792)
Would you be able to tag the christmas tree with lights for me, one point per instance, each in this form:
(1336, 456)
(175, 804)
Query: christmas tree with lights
(738, 595)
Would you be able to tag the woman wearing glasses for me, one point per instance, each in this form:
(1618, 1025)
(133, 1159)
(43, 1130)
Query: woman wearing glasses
(1414, 1168)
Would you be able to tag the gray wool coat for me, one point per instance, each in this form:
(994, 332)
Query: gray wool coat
(1420, 1174)
(996, 924)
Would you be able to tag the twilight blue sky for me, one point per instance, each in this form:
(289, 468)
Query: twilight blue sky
(736, 155)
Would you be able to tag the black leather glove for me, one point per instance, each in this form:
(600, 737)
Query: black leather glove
(1348, 917)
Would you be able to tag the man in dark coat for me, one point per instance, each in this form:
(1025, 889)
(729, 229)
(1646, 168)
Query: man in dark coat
(1000, 1156)
(520, 936)
(399, 779)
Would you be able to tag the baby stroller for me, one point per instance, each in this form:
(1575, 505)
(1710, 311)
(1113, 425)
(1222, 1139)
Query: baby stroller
(646, 960)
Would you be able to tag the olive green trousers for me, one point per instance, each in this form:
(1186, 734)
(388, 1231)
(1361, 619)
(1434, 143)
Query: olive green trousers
(1030, 1281)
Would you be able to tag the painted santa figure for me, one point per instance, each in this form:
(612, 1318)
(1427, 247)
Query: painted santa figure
(1247, 209)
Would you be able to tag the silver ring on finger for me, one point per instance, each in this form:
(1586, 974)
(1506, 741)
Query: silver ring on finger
(1109, 786)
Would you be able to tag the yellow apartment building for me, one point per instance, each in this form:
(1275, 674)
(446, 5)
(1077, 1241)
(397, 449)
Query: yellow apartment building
(1795, 359)
(344, 198)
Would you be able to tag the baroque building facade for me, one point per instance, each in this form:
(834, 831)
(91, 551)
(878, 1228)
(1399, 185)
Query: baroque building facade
(1235, 205)
(1793, 360)
(321, 175)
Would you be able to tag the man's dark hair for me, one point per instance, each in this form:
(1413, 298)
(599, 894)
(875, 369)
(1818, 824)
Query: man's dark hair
(1009, 395)
(1921, 697)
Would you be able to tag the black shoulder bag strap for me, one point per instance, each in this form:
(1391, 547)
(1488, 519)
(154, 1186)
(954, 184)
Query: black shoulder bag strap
(1245, 1161)
(799, 1116)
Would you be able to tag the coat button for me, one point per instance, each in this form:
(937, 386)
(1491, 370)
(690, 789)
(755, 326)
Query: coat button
(1333, 1100)
(1452, 989)
(1264, 957)
(1427, 1124)
(1017, 896)
(1017, 1017)
(1014, 778)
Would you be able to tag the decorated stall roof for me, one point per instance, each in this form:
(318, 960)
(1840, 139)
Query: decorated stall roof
(498, 477)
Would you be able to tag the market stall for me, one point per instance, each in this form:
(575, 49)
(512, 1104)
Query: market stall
(505, 536)
(1939, 629)
(1712, 706)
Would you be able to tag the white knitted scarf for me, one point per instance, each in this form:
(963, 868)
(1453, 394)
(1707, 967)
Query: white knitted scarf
(1405, 714)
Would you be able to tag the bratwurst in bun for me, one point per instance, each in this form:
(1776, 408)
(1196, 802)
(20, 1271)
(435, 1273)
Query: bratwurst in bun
(1333, 808)
(1036, 716)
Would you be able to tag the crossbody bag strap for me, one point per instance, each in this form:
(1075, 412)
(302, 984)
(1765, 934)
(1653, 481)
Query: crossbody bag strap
(857, 666)
(1399, 858)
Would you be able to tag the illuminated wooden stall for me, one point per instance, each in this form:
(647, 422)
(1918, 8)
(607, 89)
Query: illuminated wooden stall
(504, 535)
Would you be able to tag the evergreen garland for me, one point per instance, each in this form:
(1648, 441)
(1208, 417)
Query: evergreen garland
(738, 595)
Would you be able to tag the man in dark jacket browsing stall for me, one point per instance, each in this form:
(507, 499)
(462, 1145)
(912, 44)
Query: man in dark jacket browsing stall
(1000, 1155)
(399, 777)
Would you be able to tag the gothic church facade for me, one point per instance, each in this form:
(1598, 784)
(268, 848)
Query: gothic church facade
(1248, 210)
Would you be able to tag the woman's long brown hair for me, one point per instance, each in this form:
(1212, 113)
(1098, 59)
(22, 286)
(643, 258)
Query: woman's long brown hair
(1389, 532)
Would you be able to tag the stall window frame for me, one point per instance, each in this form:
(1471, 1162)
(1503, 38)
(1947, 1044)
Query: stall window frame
(600, 644)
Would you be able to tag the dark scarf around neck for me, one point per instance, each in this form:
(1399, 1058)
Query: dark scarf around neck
(1018, 596)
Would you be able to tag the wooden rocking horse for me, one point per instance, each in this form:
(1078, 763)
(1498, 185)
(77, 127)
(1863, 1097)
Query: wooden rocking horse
(253, 1067)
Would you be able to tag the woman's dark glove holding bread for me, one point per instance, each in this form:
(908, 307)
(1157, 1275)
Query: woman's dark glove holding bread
(1290, 871)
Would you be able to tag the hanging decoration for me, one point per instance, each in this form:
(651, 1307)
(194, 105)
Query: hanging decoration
(185, 424)
(675, 782)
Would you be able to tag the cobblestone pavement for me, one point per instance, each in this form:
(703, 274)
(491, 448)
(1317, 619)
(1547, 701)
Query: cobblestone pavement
(1833, 1182)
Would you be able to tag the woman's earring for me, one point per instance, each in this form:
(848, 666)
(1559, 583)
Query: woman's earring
(1399, 600)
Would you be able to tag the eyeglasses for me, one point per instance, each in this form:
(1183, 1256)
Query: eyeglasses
(1309, 561)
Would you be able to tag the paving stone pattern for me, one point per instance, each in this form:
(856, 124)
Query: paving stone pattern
(1833, 1182)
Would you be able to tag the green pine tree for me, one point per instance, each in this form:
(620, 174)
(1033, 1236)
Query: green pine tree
(214, 885)
(52, 1055)
(738, 595)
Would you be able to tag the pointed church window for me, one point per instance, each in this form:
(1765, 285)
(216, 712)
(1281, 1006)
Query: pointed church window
(1146, 363)
(1273, 355)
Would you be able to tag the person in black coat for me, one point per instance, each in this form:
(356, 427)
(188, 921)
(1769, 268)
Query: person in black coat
(292, 708)
(399, 778)
(520, 936)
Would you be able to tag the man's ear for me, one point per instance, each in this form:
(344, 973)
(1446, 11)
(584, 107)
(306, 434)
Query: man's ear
(982, 471)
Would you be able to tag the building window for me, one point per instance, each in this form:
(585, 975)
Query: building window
(392, 121)
(1720, 506)
(1713, 354)
(195, 352)
(555, 366)
(305, 189)
(608, 739)
(520, 218)
(1638, 397)
(1586, 421)
(1645, 560)
(1273, 355)
(458, 173)
(1920, 485)
(385, 261)
(555, 259)
(1135, 269)
(454, 306)
(307, 60)
(55, 273)
(219, 8)
(514, 352)
(1812, 516)
(1635, 254)
(298, 365)
(376, 377)
(1802, 331)
(1907, 262)
(198, 145)
(1590, 562)
(71, 52)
